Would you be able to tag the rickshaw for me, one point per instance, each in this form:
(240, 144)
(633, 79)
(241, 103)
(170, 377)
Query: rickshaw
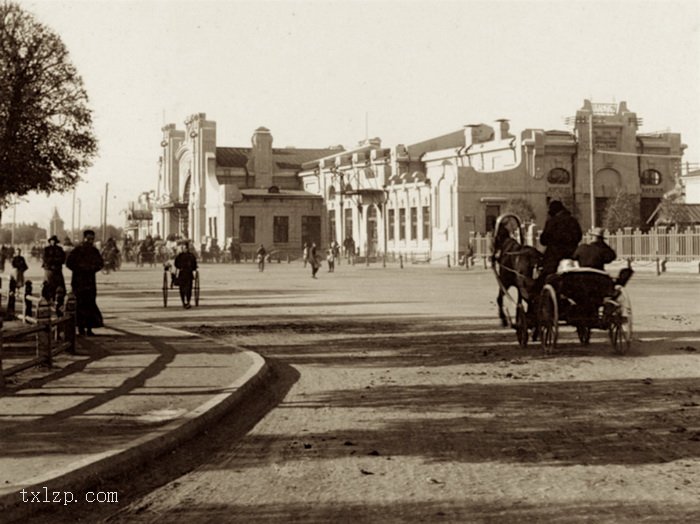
(170, 283)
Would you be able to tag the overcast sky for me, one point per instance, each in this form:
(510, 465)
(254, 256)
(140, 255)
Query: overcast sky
(311, 71)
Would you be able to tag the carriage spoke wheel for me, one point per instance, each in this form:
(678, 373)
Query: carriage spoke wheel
(548, 318)
(165, 289)
(621, 324)
(196, 289)
(521, 326)
(584, 334)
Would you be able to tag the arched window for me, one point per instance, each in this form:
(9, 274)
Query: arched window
(650, 177)
(331, 193)
(559, 175)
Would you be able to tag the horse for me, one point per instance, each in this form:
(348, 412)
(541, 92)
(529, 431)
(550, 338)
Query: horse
(516, 267)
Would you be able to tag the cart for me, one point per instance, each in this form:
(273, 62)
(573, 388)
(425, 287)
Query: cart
(169, 282)
(586, 299)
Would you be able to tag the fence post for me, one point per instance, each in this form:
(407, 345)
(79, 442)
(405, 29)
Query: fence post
(43, 337)
(384, 260)
(658, 267)
(448, 260)
(401, 260)
(69, 323)
(663, 265)
(629, 263)
(367, 258)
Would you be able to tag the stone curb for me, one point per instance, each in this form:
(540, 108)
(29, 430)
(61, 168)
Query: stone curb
(81, 475)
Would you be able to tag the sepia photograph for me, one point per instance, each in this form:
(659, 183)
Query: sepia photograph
(369, 261)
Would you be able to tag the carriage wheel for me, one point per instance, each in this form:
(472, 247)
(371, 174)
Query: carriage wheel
(165, 289)
(196, 289)
(548, 316)
(621, 323)
(584, 334)
(521, 326)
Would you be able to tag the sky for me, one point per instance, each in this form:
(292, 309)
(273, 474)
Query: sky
(326, 73)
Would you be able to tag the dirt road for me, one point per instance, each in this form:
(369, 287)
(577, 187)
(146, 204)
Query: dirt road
(397, 398)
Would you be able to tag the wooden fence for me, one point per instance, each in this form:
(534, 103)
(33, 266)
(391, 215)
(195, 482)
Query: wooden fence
(52, 327)
(665, 243)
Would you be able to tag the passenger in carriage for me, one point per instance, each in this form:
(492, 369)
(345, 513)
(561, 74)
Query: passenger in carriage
(596, 254)
(560, 236)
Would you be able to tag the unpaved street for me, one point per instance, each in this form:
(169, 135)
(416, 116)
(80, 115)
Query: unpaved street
(395, 396)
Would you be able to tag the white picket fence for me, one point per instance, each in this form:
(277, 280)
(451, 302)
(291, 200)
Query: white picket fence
(665, 243)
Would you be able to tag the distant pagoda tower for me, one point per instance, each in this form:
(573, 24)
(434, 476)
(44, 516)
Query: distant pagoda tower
(56, 226)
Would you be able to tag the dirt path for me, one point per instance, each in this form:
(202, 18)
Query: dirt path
(419, 408)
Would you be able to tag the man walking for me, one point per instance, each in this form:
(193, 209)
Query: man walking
(260, 255)
(85, 261)
(186, 265)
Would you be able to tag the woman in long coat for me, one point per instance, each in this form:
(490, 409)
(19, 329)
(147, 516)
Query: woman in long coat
(85, 261)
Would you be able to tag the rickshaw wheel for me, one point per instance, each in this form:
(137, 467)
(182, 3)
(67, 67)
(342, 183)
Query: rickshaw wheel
(196, 289)
(621, 324)
(165, 289)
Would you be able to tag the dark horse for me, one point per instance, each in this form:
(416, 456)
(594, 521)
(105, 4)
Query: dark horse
(516, 266)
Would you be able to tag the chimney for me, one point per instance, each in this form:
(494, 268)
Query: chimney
(261, 157)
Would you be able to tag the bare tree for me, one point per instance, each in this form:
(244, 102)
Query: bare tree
(622, 211)
(46, 137)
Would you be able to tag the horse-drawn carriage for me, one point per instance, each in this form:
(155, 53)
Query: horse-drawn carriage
(584, 298)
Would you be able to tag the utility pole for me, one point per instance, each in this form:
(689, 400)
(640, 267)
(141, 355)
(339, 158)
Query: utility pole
(79, 213)
(590, 166)
(104, 227)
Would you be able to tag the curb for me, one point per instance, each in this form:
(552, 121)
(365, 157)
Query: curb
(80, 475)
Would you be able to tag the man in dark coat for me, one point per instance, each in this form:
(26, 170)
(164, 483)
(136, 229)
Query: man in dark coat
(53, 259)
(597, 253)
(186, 265)
(85, 261)
(560, 236)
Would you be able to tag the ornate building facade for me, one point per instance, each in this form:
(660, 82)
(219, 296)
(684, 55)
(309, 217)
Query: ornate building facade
(429, 197)
(246, 195)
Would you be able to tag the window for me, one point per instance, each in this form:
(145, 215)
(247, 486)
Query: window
(311, 230)
(559, 176)
(392, 223)
(414, 223)
(246, 230)
(426, 222)
(650, 177)
(280, 230)
(402, 223)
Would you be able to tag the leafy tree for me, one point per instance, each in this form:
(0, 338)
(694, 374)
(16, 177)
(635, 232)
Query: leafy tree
(621, 211)
(46, 137)
(522, 208)
(24, 234)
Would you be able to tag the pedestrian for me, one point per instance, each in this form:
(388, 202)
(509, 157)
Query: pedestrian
(85, 261)
(260, 255)
(52, 261)
(335, 247)
(349, 245)
(597, 253)
(19, 265)
(313, 260)
(305, 253)
(186, 265)
(330, 258)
